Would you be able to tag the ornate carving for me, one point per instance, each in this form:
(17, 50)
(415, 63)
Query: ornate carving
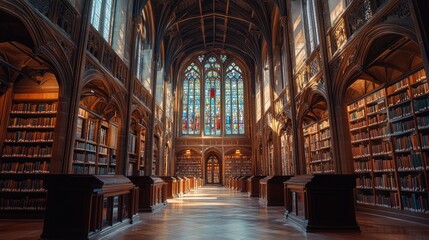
(314, 66)
(43, 6)
(338, 36)
(401, 11)
(94, 44)
(359, 15)
(65, 18)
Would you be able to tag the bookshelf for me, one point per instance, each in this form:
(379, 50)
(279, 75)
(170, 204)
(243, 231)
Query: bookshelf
(189, 165)
(238, 165)
(95, 144)
(317, 147)
(27, 152)
(388, 129)
(141, 147)
(288, 166)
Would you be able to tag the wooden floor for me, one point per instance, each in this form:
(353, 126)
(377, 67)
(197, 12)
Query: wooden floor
(219, 213)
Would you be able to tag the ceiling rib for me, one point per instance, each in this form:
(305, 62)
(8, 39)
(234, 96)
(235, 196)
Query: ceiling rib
(202, 23)
(226, 24)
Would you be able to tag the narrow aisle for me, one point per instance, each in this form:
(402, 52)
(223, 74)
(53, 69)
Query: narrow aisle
(215, 212)
(212, 212)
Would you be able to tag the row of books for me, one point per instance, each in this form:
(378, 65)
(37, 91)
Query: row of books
(321, 156)
(410, 162)
(397, 86)
(403, 126)
(22, 203)
(357, 115)
(425, 140)
(415, 203)
(420, 90)
(413, 183)
(364, 182)
(22, 185)
(384, 165)
(29, 136)
(381, 148)
(27, 151)
(379, 132)
(360, 136)
(362, 166)
(399, 112)
(386, 182)
(361, 150)
(421, 105)
(398, 98)
(389, 201)
(358, 124)
(32, 122)
(379, 118)
(423, 122)
(355, 105)
(379, 108)
(32, 107)
(24, 167)
(406, 143)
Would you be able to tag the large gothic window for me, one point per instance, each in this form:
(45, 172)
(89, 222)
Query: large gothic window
(191, 100)
(212, 97)
(222, 97)
(234, 100)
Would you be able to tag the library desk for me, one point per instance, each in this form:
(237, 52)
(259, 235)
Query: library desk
(151, 194)
(87, 206)
(170, 187)
(242, 183)
(271, 190)
(253, 185)
(321, 202)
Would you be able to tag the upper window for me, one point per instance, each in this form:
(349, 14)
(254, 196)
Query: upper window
(312, 29)
(191, 100)
(222, 99)
(102, 16)
(234, 100)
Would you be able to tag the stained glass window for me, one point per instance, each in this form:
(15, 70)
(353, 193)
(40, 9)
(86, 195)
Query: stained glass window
(234, 100)
(223, 58)
(191, 100)
(222, 99)
(96, 13)
(212, 108)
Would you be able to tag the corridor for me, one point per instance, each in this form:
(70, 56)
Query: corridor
(215, 212)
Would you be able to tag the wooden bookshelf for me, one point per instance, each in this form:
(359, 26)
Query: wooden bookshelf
(317, 147)
(27, 152)
(288, 165)
(189, 165)
(95, 144)
(238, 165)
(388, 131)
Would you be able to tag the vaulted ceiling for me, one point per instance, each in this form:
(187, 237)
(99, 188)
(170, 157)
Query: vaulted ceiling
(238, 27)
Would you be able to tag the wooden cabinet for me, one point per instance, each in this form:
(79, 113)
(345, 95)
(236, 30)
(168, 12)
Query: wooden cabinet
(87, 206)
(151, 193)
(323, 202)
(253, 185)
(170, 187)
(271, 190)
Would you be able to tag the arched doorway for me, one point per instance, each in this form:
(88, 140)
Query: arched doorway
(213, 166)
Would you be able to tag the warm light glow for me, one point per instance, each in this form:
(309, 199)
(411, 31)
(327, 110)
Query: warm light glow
(237, 151)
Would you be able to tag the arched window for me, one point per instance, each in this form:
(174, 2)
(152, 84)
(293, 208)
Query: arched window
(234, 100)
(222, 103)
(191, 100)
(212, 108)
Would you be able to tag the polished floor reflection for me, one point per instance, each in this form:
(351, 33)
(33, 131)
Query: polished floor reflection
(215, 212)
(221, 213)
